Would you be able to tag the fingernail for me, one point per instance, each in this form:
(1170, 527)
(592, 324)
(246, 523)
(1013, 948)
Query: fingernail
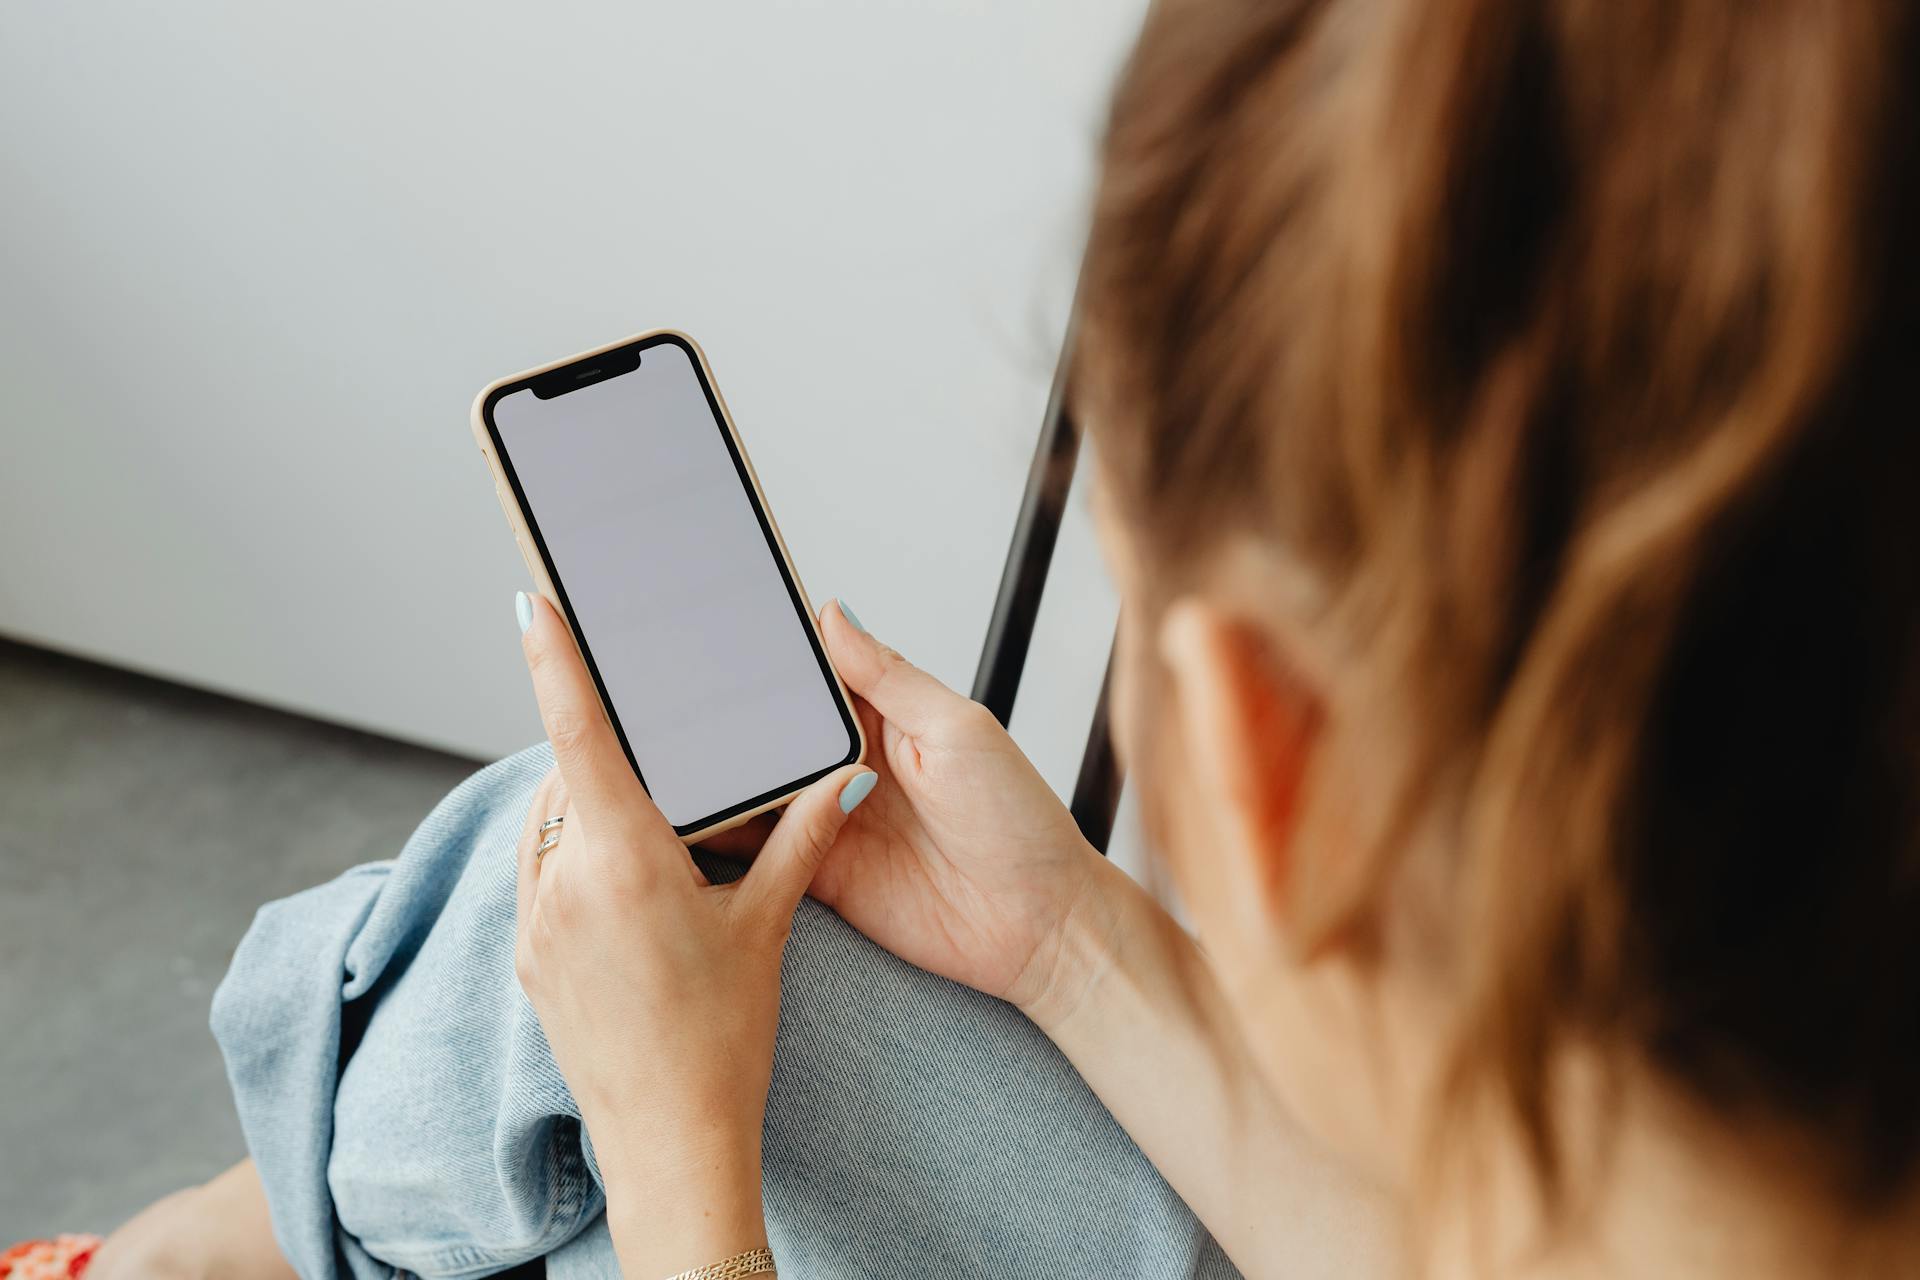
(523, 610)
(858, 788)
(853, 620)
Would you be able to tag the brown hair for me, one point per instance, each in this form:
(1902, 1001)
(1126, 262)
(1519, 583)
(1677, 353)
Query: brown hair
(1565, 342)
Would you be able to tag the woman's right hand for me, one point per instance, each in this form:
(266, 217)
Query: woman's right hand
(963, 861)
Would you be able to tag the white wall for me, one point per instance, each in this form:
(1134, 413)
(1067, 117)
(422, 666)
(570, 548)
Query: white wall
(257, 258)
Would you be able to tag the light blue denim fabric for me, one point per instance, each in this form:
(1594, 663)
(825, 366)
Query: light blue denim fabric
(406, 1116)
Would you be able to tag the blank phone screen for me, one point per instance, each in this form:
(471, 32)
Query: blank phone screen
(686, 611)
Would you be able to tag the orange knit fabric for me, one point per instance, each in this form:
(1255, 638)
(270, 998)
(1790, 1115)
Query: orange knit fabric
(60, 1258)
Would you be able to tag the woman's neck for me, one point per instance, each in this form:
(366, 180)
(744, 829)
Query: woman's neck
(1674, 1197)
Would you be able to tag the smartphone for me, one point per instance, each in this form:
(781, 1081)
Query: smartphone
(642, 522)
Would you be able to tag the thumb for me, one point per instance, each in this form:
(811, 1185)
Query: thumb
(779, 877)
(902, 693)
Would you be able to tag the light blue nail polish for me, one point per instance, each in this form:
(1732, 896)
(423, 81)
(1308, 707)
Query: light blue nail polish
(523, 610)
(853, 620)
(857, 790)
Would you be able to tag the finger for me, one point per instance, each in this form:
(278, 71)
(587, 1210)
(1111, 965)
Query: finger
(898, 690)
(785, 867)
(875, 726)
(549, 798)
(596, 771)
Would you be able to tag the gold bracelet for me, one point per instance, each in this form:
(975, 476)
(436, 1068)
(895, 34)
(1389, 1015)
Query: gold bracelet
(754, 1262)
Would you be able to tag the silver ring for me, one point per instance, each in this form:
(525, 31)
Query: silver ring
(550, 830)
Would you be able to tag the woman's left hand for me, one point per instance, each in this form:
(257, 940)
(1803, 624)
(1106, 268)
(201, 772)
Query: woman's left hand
(658, 991)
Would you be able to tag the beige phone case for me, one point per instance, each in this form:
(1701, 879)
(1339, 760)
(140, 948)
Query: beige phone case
(523, 535)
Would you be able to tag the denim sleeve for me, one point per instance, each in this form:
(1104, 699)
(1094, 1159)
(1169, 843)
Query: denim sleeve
(406, 1114)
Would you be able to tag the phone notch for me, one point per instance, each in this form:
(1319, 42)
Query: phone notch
(608, 364)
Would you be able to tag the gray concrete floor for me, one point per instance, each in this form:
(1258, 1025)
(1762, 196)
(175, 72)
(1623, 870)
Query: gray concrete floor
(140, 826)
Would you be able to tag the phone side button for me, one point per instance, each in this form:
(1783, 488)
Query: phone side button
(526, 556)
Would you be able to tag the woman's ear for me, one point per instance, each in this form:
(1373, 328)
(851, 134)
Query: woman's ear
(1248, 723)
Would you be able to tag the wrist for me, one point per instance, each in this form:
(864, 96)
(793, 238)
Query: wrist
(651, 1247)
(1082, 950)
(676, 1205)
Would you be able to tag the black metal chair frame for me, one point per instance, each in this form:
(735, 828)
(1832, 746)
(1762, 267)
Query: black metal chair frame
(1003, 657)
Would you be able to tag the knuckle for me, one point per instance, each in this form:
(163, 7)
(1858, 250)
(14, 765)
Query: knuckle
(971, 718)
(826, 821)
(812, 846)
(817, 833)
(540, 803)
(540, 655)
(569, 731)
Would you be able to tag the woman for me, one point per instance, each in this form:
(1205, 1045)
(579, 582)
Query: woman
(1496, 409)
(1504, 451)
